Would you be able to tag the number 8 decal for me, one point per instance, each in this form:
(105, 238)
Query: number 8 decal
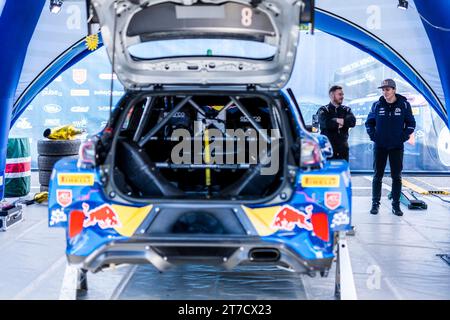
(246, 17)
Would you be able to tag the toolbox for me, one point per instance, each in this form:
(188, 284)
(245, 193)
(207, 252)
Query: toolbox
(10, 215)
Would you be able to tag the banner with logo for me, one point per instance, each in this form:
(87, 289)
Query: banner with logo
(80, 96)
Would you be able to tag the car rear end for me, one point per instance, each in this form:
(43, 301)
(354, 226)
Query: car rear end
(127, 201)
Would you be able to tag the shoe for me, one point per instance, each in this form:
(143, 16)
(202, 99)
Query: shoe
(375, 208)
(397, 211)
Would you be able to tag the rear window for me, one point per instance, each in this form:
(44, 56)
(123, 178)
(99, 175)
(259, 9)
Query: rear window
(202, 47)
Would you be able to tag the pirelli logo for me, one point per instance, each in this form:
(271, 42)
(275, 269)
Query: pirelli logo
(75, 179)
(320, 181)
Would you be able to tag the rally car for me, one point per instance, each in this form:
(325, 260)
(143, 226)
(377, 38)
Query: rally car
(205, 159)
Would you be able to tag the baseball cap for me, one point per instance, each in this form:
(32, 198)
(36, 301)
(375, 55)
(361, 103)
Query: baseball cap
(387, 83)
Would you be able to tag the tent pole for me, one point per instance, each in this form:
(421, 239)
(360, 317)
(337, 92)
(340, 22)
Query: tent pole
(18, 20)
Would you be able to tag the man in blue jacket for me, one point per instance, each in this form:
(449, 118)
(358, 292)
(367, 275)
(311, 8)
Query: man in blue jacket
(389, 124)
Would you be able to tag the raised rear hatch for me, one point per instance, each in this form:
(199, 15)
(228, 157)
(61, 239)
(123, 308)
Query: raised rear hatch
(209, 42)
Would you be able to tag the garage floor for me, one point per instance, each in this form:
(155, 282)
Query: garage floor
(392, 258)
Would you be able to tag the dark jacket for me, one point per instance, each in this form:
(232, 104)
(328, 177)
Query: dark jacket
(389, 125)
(330, 128)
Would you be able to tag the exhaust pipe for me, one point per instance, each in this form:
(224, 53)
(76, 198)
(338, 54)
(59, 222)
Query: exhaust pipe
(264, 255)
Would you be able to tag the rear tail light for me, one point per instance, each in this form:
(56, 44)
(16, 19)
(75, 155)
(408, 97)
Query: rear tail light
(320, 226)
(311, 155)
(76, 219)
(87, 154)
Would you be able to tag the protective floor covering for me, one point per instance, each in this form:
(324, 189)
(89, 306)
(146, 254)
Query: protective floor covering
(392, 258)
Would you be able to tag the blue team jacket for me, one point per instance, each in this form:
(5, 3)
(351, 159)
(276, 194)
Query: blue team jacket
(389, 125)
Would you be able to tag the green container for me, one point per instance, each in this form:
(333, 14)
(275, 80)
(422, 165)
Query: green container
(18, 167)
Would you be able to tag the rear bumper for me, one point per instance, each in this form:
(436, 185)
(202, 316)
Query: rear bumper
(164, 252)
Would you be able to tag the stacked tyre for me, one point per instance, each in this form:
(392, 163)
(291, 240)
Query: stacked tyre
(51, 151)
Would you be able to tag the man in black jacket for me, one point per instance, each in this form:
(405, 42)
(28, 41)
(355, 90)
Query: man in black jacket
(389, 124)
(335, 119)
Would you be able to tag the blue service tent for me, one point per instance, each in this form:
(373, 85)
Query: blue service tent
(411, 42)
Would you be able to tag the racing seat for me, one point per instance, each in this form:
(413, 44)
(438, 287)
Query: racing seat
(141, 173)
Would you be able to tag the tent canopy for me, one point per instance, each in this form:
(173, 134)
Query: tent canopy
(412, 42)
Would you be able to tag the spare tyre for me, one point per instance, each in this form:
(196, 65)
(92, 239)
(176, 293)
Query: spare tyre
(44, 177)
(47, 163)
(46, 147)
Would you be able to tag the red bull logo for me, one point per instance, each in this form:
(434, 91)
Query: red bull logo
(288, 217)
(103, 216)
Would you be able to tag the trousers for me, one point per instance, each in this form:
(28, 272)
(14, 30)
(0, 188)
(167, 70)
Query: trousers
(380, 157)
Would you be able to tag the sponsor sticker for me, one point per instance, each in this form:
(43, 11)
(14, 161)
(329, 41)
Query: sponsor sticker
(103, 216)
(57, 216)
(320, 181)
(339, 219)
(288, 217)
(75, 179)
(63, 197)
(333, 200)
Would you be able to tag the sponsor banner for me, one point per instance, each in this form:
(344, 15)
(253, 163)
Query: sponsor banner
(23, 123)
(79, 76)
(52, 108)
(47, 92)
(52, 122)
(79, 109)
(115, 93)
(79, 92)
(103, 108)
(107, 76)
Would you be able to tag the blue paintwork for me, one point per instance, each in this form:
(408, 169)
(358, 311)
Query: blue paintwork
(302, 241)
